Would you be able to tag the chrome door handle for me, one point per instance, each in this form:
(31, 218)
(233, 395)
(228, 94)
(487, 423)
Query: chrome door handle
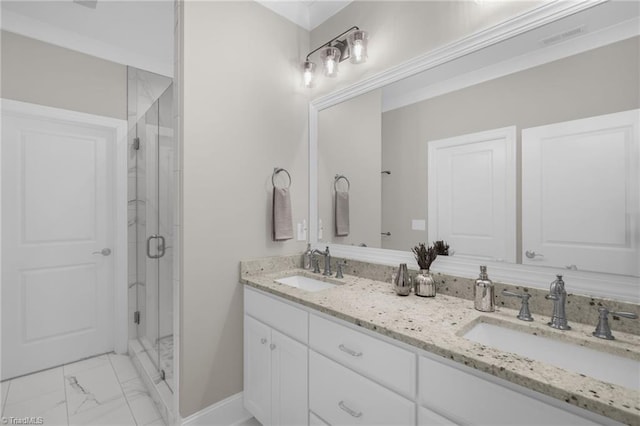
(160, 247)
(103, 252)
(532, 254)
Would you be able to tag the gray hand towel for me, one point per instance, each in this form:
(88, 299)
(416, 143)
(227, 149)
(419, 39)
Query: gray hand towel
(342, 213)
(282, 223)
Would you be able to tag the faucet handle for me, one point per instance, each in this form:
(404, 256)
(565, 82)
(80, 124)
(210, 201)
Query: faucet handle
(524, 314)
(339, 267)
(603, 331)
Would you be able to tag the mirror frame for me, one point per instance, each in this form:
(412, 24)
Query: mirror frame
(611, 286)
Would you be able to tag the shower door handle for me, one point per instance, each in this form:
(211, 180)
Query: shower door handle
(160, 246)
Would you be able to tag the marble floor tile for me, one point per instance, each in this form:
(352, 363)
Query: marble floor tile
(109, 413)
(91, 388)
(104, 390)
(34, 385)
(86, 364)
(3, 394)
(142, 406)
(123, 367)
(50, 406)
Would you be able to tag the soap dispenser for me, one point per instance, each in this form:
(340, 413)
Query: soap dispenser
(306, 258)
(484, 292)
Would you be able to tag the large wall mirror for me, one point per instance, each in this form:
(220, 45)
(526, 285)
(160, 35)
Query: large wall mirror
(523, 155)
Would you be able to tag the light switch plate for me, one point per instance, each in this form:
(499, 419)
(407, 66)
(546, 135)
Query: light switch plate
(418, 224)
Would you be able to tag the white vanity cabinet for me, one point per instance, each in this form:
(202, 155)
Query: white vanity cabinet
(275, 365)
(302, 367)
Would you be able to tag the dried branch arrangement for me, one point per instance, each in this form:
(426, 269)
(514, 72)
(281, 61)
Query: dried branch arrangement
(442, 248)
(424, 256)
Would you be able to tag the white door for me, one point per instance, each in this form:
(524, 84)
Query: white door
(471, 198)
(580, 196)
(57, 238)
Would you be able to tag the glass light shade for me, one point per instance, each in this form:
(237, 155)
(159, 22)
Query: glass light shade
(308, 73)
(330, 58)
(358, 46)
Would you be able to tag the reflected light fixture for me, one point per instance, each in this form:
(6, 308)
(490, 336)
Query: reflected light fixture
(354, 47)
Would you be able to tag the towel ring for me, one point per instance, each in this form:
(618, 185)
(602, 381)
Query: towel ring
(335, 182)
(275, 172)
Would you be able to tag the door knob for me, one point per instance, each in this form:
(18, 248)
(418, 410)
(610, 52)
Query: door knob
(532, 254)
(103, 252)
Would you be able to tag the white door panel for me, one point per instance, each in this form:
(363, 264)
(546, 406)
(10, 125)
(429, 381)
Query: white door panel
(580, 194)
(472, 193)
(57, 210)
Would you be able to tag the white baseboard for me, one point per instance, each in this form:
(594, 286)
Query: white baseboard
(228, 412)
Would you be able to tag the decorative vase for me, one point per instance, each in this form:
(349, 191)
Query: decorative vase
(425, 284)
(402, 282)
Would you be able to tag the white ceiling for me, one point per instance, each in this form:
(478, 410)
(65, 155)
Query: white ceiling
(136, 33)
(306, 13)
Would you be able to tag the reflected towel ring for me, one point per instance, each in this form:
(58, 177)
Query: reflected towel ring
(275, 172)
(335, 182)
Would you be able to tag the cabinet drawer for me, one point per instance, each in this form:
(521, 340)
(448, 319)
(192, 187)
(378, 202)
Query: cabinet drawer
(342, 397)
(383, 362)
(469, 399)
(279, 315)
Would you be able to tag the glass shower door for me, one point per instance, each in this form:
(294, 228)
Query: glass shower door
(155, 234)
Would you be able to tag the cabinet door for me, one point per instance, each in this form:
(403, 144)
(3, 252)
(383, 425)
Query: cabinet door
(580, 194)
(427, 417)
(257, 370)
(288, 381)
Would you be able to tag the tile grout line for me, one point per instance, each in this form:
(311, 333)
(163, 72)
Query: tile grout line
(124, 394)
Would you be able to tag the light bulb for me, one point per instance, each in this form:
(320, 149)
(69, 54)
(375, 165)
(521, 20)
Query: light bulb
(330, 58)
(308, 70)
(358, 46)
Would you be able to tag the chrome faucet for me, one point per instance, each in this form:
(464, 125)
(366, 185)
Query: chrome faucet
(558, 294)
(603, 331)
(327, 260)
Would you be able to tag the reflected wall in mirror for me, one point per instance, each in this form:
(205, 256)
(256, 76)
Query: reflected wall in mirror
(357, 141)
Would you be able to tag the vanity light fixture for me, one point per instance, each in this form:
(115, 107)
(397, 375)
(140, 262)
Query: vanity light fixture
(353, 47)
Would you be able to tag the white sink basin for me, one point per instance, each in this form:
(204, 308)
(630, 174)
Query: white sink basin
(305, 283)
(590, 362)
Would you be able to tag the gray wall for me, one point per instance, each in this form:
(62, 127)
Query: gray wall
(44, 74)
(600, 81)
(349, 143)
(401, 30)
(244, 113)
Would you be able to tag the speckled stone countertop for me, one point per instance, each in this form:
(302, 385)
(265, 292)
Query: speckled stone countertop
(438, 324)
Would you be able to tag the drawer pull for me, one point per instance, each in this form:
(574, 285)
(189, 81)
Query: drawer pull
(348, 410)
(351, 352)
(263, 340)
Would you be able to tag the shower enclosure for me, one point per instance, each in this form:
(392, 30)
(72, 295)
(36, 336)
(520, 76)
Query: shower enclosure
(151, 204)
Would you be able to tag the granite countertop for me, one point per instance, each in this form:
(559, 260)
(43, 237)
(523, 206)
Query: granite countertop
(437, 325)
